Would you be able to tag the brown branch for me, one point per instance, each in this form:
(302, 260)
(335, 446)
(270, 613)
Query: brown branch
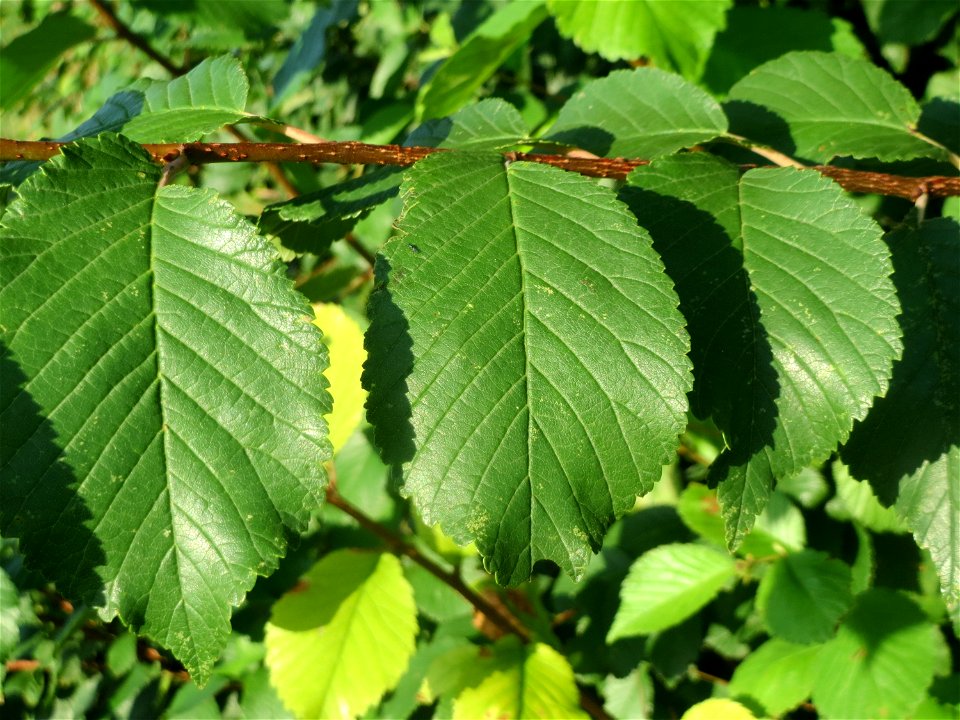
(503, 620)
(350, 153)
(107, 14)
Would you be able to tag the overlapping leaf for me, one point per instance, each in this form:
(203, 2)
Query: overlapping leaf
(916, 464)
(211, 95)
(310, 222)
(673, 35)
(163, 397)
(820, 105)
(667, 585)
(526, 362)
(881, 661)
(343, 637)
(638, 113)
(803, 595)
(538, 683)
(791, 311)
(778, 674)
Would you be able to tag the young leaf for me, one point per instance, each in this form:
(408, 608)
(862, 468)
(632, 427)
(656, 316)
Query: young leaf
(667, 585)
(539, 683)
(163, 420)
(803, 596)
(673, 35)
(917, 463)
(779, 675)
(527, 363)
(791, 312)
(638, 113)
(343, 637)
(820, 105)
(881, 662)
(459, 77)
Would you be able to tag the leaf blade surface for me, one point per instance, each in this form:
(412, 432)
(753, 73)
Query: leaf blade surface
(526, 363)
(179, 379)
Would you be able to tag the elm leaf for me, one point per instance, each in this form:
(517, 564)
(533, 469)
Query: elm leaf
(163, 406)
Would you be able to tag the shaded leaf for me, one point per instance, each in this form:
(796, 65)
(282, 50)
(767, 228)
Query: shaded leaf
(916, 464)
(792, 315)
(167, 430)
(754, 35)
(638, 113)
(526, 362)
(343, 637)
(310, 222)
(881, 662)
(667, 585)
(485, 50)
(803, 595)
(818, 106)
(673, 35)
(26, 59)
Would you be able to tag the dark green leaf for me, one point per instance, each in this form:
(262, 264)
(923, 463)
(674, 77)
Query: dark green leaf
(527, 365)
(785, 286)
(916, 463)
(166, 430)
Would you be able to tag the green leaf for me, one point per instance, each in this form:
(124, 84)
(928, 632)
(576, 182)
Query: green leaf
(490, 124)
(855, 500)
(803, 595)
(538, 684)
(818, 106)
(916, 464)
(211, 95)
(881, 662)
(308, 51)
(343, 637)
(754, 35)
(310, 222)
(163, 420)
(667, 585)
(464, 72)
(792, 316)
(527, 363)
(673, 35)
(909, 23)
(630, 696)
(344, 340)
(778, 675)
(638, 113)
(29, 57)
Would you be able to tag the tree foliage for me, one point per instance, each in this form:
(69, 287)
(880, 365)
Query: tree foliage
(478, 436)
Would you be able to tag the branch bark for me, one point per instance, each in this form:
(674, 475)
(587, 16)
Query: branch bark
(358, 153)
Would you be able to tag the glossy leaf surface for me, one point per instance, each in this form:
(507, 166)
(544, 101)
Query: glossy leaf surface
(527, 364)
(163, 397)
(791, 312)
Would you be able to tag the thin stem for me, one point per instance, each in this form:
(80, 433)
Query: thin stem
(106, 12)
(767, 153)
(357, 153)
(358, 248)
(275, 170)
(505, 622)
